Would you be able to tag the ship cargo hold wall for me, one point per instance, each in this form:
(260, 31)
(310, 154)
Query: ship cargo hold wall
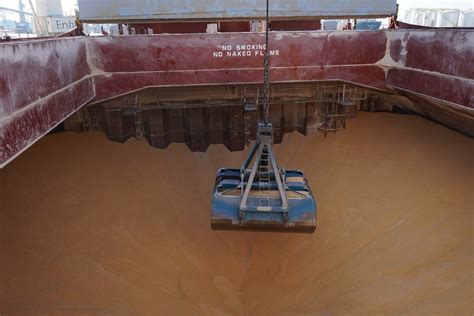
(45, 81)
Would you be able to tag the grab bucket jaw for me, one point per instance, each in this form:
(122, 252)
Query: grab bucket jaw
(265, 197)
(227, 215)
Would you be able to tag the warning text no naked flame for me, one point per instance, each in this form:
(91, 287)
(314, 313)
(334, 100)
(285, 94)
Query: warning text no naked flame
(244, 50)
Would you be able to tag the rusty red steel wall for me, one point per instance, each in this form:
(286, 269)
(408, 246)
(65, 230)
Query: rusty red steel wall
(41, 84)
(295, 25)
(173, 28)
(436, 63)
(137, 62)
(44, 81)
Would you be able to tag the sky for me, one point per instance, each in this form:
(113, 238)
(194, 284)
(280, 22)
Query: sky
(68, 5)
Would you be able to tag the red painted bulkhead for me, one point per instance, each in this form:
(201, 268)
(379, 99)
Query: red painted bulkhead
(44, 81)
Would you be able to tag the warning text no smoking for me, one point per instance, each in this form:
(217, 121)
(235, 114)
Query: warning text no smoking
(244, 50)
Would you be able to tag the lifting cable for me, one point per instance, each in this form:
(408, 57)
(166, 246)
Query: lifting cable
(266, 75)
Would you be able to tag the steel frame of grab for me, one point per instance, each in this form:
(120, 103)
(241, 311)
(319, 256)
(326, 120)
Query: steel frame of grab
(264, 140)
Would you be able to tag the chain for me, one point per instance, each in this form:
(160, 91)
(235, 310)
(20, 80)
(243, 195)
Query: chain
(266, 75)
